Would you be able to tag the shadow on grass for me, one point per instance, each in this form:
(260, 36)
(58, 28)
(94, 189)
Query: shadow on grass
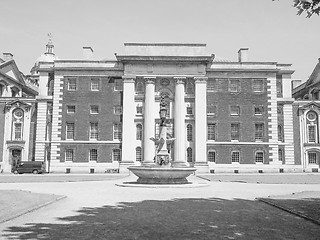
(174, 219)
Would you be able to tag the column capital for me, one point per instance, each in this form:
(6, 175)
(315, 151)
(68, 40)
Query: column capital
(179, 80)
(149, 80)
(200, 79)
(127, 79)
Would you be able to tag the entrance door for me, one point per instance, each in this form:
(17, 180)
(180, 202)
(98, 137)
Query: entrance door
(15, 156)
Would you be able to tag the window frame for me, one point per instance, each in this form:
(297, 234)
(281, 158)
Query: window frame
(117, 109)
(189, 132)
(235, 132)
(235, 110)
(214, 154)
(114, 158)
(69, 131)
(67, 156)
(94, 131)
(139, 154)
(139, 132)
(256, 157)
(94, 107)
(235, 156)
(117, 131)
(314, 132)
(258, 110)
(257, 136)
(234, 88)
(69, 107)
(93, 155)
(211, 110)
(118, 85)
(71, 86)
(189, 155)
(315, 159)
(95, 84)
(260, 88)
(211, 132)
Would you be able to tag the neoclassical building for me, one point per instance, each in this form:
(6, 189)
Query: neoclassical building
(226, 116)
(17, 114)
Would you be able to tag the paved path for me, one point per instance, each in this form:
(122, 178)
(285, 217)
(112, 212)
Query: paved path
(96, 194)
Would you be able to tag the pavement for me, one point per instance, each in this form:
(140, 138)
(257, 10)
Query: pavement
(95, 207)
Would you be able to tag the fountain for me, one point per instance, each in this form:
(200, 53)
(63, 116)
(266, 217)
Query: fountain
(162, 171)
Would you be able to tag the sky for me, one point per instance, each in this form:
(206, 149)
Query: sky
(270, 29)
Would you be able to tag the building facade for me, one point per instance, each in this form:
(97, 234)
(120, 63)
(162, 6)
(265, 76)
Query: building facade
(17, 115)
(306, 121)
(225, 116)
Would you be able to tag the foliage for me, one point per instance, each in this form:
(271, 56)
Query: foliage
(309, 6)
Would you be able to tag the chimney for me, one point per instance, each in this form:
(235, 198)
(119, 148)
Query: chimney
(87, 53)
(243, 54)
(7, 56)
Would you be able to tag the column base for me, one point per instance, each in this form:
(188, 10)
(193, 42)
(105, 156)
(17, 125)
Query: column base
(202, 167)
(180, 164)
(123, 167)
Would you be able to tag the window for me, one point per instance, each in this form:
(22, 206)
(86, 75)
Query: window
(189, 88)
(220, 85)
(281, 155)
(257, 86)
(212, 156)
(189, 154)
(116, 155)
(280, 109)
(94, 131)
(95, 84)
(50, 88)
(17, 131)
(211, 110)
(117, 131)
(211, 131)
(235, 131)
(118, 85)
(312, 133)
(258, 110)
(235, 156)
(189, 132)
(138, 154)
(234, 85)
(189, 110)
(117, 110)
(70, 131)
(279, 88)
(211, 85)
(312, 157)
(139, 87)
(259, 131)
(157, 130)
(94, 109)
(234, 110)
(280, 133)
(69, 155)
(259, 156)
(168, 109)
(93, 156)
(72, 84)
(139, 132)
(139, 110)
(71, 109)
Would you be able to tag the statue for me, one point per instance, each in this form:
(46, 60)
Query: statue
(162, 157)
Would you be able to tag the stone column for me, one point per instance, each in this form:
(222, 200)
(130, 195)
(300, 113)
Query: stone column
(201, 124)
(128, 127)
(179, 124)
(149, 122)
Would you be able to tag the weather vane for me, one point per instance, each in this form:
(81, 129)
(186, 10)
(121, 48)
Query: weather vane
(50, 37)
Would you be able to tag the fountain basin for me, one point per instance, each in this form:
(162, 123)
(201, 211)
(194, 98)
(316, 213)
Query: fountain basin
(162, 175)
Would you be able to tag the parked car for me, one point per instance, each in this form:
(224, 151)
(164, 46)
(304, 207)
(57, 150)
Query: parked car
(34, 167)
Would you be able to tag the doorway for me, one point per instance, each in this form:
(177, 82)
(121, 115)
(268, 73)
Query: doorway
(15, 156)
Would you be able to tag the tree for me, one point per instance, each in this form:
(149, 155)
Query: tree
(310, 7)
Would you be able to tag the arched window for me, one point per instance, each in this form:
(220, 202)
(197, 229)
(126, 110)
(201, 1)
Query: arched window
(189, 154)
(138, 154)
(139, 132)
(211, 156)
(280, 133)
(17, 124)
(116, 155)
(189, 132)
(50, 88)
(280, 153)
(139, 87)
(189, 88)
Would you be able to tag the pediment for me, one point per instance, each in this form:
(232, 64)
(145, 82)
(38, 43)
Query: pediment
(17, 104)
(11, 71)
